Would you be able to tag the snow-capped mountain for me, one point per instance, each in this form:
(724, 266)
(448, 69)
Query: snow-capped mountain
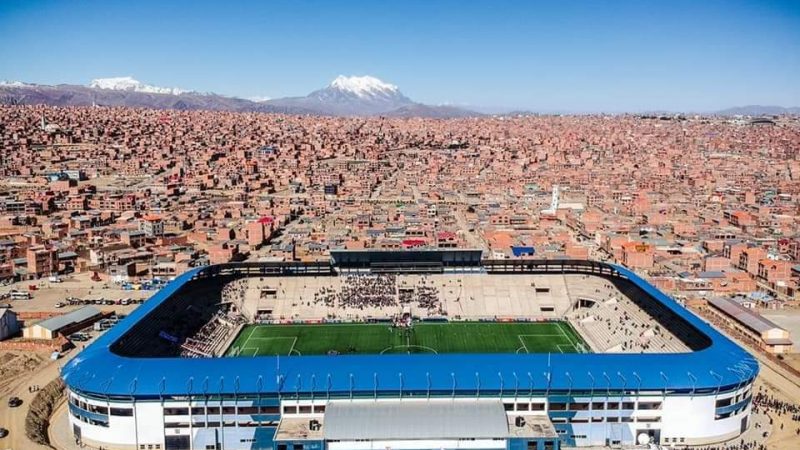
(364, 87)
(132, 85)
(350, 96)
(13, 83)
(344, 96)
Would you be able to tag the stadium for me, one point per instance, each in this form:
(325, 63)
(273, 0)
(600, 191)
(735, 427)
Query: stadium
(409, 350)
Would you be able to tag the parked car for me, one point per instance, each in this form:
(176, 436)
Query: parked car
(79, 337)
(3, 432)
(60, 305)
(13, 402)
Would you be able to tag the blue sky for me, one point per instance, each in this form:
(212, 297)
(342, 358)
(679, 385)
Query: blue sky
(542, 55)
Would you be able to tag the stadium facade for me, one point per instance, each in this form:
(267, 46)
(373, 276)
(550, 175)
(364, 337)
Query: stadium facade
(121, 399)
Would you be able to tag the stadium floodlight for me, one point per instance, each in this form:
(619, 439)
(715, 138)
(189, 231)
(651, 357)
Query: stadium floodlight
(666, 381)
(205, 386)
(428, 377)
(516, 385)
(132, 386)
(566, 374)
(190, 385)
(351, 386)
(453, 376)
(739, 373)
(162, 386)
(313, 385)
(694, 381)
(328, 385)
(400, 374)
(591, 392)
(547, 390)
(719, 380)
(744, 366)
(608, 384)
(500, 375)
(477, 385)
(624, 383)
(530, 386)
(375, 386)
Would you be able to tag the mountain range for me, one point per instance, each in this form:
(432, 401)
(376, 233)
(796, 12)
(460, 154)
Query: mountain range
(344, 96)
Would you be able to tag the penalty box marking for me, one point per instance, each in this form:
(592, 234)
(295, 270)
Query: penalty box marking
(557, 346)
(291, 349)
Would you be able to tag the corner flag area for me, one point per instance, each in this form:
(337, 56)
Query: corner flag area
(458, 337)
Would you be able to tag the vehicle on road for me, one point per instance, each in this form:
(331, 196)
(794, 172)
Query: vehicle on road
(13, 402)
(79, 337)
(3, 433)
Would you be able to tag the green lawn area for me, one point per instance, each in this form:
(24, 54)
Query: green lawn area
(458, 337)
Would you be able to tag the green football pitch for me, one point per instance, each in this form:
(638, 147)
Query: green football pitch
(459, 337)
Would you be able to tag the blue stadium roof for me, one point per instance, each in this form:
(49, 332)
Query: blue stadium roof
(99, 371)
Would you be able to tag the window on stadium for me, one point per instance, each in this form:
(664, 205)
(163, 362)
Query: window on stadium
(271, 410)
(198, 410)
(648, 419)
(126, 412)
(228, 410)
(248, 410)
(598, 405)
(305, 409)
(212, 410)
(98, 409)
(319, 408)
(176, 411)
(578, 406)
(650, 405)
(537, 406)
(612, 405)
(558, 407)
(628, 405)
(523, 407)
(724, 402)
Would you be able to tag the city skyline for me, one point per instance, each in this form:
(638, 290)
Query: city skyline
(623, 57)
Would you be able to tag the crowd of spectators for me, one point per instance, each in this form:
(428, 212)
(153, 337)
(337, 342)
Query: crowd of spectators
(763, 402)
(380, 291)
(741, 445)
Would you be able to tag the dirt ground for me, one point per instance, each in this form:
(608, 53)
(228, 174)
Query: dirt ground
(19, 371)
(48, 294)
